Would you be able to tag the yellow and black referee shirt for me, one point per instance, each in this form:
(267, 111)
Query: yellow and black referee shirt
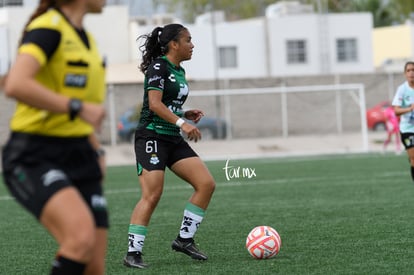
(70, 65)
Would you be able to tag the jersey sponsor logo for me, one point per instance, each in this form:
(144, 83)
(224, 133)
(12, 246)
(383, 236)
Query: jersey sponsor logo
(156, 66)
(53, 176)
(76, 80)
(176, 109)
(183, 91)
(172, 78)
(154, 78)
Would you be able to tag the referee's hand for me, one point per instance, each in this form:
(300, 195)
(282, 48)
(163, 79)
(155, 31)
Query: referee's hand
(94, 114)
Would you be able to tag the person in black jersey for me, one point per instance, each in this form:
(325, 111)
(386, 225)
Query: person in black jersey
(159, 144)
(52, 162)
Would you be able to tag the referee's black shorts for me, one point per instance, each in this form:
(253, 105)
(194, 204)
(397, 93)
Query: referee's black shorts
(156, 152)
(35, 167)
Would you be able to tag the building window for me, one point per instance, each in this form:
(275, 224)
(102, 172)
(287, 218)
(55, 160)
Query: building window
(228, 57)
(296, 51)
(346, 50)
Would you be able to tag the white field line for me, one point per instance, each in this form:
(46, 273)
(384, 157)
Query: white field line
(183, 187)
(231, 183)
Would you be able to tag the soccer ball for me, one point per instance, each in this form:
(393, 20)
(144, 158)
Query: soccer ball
(263, 242)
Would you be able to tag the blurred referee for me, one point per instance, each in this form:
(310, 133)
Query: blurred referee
(52, 162)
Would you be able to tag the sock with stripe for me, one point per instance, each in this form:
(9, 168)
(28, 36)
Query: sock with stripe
(193, 216)
(136, 238)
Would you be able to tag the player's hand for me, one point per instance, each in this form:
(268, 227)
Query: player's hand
(192, 132)
(194, 115)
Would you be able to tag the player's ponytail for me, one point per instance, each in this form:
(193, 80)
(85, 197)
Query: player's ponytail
(156, 43)
(43, 6)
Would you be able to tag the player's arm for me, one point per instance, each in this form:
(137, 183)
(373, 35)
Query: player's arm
(37, 46)
(403, 110)
(157, 106)
(22, 85)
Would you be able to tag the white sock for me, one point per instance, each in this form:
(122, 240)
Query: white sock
(193, 215)
(136, 237)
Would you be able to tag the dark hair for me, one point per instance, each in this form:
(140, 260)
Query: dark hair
(406, 65)
(43, 6)
(156, 43)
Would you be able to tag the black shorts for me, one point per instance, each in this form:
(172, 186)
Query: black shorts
(36, 167)
(155, 151)
(407, 140)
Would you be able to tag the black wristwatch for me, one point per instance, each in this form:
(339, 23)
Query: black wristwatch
(75, 106)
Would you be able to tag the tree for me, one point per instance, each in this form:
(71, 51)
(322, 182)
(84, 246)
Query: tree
(234, 9)
(384, 12)
(404, 7)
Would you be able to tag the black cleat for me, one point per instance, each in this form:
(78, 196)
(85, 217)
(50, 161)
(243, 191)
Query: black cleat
(188, 248)
(134, 259)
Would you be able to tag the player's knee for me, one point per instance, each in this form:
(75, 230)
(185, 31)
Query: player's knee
(152, 199)
(209, 185)
(212, 186)
(81, 243)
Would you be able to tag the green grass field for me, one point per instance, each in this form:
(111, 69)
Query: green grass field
(344, 214)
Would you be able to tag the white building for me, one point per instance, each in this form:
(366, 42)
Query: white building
(304, 44)
(110, 29)
(280, 44)
(291, 40)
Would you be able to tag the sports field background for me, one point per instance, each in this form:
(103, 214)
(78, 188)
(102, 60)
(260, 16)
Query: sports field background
(336, 214)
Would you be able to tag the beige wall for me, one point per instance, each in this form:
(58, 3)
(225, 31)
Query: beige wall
(393, 42)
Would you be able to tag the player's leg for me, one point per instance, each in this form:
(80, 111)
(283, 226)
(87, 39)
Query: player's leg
(407, 140)
(69, 220)
(195, 172)
(151, 183)
(410, 152)
(93, 195)
(151, 154)
(97, 264)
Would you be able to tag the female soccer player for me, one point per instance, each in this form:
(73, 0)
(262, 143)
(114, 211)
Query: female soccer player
(159, 144)
(403, 103)
(52, 163)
